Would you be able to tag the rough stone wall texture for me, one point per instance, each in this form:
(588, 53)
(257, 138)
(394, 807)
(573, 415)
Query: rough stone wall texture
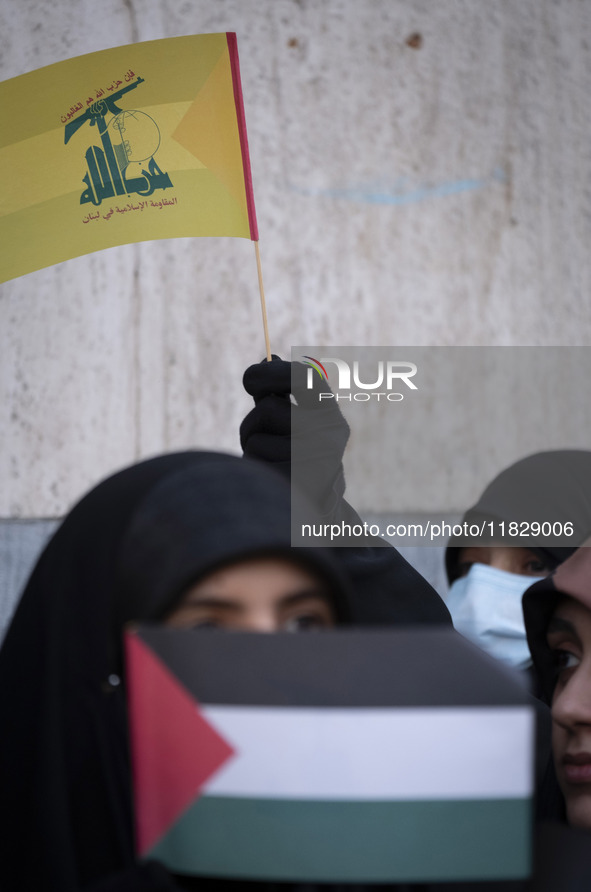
(421, 175)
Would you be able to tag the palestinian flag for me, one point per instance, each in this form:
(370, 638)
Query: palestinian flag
(359, 756)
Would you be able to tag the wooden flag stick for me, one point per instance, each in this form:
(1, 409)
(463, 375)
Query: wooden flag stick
(263, 307)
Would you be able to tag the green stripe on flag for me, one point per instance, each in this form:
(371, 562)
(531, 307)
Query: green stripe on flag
(421, 841)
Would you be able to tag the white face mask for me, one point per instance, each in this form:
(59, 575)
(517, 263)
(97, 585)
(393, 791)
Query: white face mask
(485, 606)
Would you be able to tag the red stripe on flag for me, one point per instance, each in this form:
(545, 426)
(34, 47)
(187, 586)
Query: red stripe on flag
(174, 749)
(239, 103)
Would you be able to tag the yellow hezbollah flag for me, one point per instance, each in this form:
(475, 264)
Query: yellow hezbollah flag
(140, 142)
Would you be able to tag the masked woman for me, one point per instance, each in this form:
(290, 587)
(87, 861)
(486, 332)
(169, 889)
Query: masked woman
(192, 539)
(488, 578)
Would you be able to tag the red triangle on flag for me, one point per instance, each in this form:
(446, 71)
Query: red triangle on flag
(174, 748)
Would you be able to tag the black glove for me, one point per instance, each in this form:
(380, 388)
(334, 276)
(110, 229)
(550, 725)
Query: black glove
(308, 438)
(265, 433)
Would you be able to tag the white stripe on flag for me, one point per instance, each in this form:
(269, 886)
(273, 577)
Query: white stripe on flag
(374, 754)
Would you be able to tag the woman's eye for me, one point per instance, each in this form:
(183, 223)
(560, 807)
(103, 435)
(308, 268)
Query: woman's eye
(206, 624)
(304, 623)
(564, 659)
(536, 568)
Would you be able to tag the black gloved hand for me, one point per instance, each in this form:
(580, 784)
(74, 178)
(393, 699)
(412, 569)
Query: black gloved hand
(308, 438)
(265, 433)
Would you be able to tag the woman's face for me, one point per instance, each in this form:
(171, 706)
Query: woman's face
(512, 559)
(260, 595)
(569, 638)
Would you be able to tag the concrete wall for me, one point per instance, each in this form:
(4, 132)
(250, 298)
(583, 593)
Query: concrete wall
(421, 174)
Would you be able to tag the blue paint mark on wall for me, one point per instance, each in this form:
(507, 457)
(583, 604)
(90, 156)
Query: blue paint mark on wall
(403, 193)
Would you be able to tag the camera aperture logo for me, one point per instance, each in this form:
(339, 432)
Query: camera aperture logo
(386, 374)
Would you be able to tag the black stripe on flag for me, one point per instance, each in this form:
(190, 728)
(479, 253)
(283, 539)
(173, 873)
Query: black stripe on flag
(351, 668)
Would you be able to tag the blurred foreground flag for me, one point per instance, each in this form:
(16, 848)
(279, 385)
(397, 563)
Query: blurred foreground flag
(141, 142)
(345, 756)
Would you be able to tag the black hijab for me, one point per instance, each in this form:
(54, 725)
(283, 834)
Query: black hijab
(552, 487)
(564, 860)
(126, 551)
(572, 578)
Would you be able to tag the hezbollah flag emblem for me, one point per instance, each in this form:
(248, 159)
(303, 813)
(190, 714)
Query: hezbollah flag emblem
(135, 143)
(347, 756)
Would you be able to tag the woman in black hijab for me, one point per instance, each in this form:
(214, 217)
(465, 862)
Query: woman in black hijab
(552, 487)
(557, 613)
(128, 551)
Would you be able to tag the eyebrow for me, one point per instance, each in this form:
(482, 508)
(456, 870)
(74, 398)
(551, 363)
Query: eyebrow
(305, 595)
(228, 604)
(557, 624)
(211, 602)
